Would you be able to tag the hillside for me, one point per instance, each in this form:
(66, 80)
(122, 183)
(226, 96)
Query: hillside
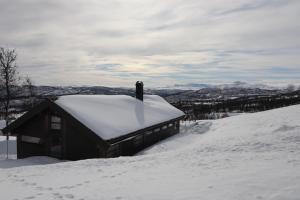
(250, 156)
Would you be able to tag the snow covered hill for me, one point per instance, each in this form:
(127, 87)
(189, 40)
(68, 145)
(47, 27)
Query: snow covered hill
(251, 156)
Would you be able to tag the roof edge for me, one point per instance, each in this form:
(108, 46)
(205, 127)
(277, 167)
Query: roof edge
(28, 115)
(134, 133)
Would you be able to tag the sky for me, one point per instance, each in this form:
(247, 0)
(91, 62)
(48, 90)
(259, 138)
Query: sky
(117, 42)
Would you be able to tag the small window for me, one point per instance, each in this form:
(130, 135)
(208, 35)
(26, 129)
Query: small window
(165, 127)
(55, 122)
(113, 151)
(148, 133)
(156, 130)
(55, 126)
(115, 147)
(177, 124)
(55, 119)
(138, 140)
(31, 139)
(170, 125)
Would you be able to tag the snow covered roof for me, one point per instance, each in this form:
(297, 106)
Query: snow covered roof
(111, 116)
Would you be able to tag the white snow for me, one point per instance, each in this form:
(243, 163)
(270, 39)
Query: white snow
(111, 116)
(12, 147)
(250, 156)
(2, 125)
(37, 160)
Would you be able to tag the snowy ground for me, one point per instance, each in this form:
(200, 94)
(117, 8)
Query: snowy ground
(250, 156)
(2, 124)
(12, 148)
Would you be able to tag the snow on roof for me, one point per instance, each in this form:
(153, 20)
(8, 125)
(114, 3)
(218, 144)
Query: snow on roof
(111, 116)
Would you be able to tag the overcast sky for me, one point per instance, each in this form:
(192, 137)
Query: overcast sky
(162, 42)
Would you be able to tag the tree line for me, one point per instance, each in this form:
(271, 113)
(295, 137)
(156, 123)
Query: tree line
(215, 109)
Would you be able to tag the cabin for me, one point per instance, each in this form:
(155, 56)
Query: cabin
(75, 127)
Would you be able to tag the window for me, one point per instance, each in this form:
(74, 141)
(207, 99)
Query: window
(113, 151)
(138, 140)
(156, 130)
(30, 139)
(55, 119)
(55, 122)
(177, 124)
(148, 133)
(165, 127)
(170, 125)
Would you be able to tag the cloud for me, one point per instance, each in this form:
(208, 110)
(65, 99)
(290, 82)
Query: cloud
(116, 42)
(253, 5)
(107, 67)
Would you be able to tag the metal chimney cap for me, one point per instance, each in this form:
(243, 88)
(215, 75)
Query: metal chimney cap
(139, 83)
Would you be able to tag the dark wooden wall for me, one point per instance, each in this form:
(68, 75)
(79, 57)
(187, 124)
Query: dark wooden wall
(35, 127)
(142, 140)
(75, 145)
(78, 145)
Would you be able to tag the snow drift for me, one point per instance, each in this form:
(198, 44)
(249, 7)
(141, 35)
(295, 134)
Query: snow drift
(251, 156)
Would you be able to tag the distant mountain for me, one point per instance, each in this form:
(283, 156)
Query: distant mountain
(191, 86)
(236, 84)
(245, 85)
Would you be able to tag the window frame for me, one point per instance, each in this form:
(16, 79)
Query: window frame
(31, 139)
(157, 130)
(113, 151)
(55, 122)
(138, 140)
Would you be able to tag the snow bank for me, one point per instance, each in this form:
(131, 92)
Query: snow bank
(251, 156)
(2, 124)
(12, 147)
(38, 160)
(111, 116)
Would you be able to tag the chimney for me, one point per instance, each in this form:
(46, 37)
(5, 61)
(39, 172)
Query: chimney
(139, 91)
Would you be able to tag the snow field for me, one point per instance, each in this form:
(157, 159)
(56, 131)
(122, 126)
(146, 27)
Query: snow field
(250, 156)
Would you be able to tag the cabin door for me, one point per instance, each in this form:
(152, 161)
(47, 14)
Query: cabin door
(55, 137)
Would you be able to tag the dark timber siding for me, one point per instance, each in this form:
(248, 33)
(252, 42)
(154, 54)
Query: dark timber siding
(37, 128)
(143, 139)
(78, 146)
(74, 142)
